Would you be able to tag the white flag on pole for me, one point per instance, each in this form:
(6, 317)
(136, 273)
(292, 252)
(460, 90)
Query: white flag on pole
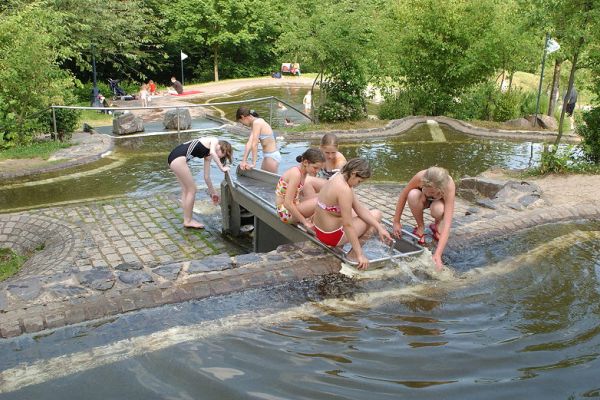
(552, 46)
(183, 56)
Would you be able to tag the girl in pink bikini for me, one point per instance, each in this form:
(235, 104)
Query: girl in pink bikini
(290, 208)
(334, 220)
(431, 188)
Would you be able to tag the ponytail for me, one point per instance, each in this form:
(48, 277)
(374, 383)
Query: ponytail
(313, 156)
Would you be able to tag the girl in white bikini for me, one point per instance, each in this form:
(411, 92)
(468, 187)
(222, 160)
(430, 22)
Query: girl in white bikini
(260, 132)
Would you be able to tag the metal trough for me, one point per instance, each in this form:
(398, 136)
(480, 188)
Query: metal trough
(254, 191)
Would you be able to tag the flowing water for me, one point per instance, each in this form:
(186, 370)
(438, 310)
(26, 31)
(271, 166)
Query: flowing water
(521, 321)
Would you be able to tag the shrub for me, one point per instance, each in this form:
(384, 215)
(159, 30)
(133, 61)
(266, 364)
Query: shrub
(590, 132)
(345, 90)
(66, 122)
(395, 106)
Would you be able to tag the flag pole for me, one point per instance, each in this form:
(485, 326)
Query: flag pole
(537, 104)
(181, 57)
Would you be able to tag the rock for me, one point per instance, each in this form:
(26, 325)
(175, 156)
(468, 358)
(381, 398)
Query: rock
(172, 116)
(26, 289)
(135, 277)
(126, 123)
(129, 267)
(487, 203)
(543, 121)
(519, 123)
(170, 271)
(219, 262)
(249, 258)
(98, 279)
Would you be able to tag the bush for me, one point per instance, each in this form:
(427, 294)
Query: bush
(66, 122)
(345, 90)
(488, 103)
(590, 132)
(395, 106)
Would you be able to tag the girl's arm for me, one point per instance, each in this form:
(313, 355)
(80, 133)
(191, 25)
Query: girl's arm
(414, 183)
(290, 196)
(340, 161)
(364, 214)
(251, 147)
(449, 198)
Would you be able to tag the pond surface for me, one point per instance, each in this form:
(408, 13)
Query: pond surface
(138, 165)
(525, 327)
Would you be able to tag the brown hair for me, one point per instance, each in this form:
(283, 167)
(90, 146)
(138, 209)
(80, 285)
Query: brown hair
(436, 177)
(244, 112)
(313, 156)
(359, 166)
(227, 151)
(329, 139)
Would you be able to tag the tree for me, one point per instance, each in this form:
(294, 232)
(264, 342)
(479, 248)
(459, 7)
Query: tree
(436, 49)
(30, 76)
(215, 24)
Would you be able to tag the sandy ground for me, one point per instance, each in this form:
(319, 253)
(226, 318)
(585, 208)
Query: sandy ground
(560, 190)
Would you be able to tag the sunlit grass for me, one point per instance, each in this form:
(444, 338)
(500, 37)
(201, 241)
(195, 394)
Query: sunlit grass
(347, 125)
(10, 263)
(41, 149)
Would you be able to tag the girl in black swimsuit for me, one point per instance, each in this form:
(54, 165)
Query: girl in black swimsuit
(209, 148)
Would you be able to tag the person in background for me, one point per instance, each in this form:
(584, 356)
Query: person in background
(208, 148)
(176, 85)
(144, 95)
(290, 208)
(260, 132)
(151, 87)
(341, 218)
(334, 161)
(431, 188)
(307, 101)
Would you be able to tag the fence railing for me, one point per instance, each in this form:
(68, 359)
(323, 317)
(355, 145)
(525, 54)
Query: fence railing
(272, 101)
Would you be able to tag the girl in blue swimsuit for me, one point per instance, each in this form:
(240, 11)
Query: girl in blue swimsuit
(260, 132)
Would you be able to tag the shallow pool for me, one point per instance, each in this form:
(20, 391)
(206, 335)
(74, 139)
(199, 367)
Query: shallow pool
(138, 167)
(525, 327)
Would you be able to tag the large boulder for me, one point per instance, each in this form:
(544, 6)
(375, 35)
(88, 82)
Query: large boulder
(126, 123)
(181, 114)
(543, 121)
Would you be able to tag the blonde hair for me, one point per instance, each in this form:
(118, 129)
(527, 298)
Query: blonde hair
(227, 151)
(329, 139)
(436, 177)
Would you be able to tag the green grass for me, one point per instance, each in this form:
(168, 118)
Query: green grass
(10, 263)
(41, 149)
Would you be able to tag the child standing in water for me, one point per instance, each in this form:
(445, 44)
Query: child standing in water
(431, 188)
(208, 148)
(290, 208)
(260, 132)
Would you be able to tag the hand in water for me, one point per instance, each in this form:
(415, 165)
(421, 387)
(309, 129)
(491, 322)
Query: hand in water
(397, 229)
(363, 262)
(385, 236)
(215, 198)
(437, 260)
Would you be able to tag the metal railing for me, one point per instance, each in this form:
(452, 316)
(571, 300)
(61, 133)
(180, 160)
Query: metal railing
(271, 99)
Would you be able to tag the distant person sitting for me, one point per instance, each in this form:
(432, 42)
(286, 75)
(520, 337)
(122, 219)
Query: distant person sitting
(288, 122)
(571, 99)
(276, 75)
(177, 87)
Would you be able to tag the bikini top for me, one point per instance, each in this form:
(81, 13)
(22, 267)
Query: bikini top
(332, 209)
(282, 186)
(263, 136)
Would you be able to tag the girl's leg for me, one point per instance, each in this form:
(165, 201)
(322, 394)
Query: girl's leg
(270, 165)
(437, 212)
(307, 207)
(188, 191)
(312, 186)
(362, 230)
(416, 202)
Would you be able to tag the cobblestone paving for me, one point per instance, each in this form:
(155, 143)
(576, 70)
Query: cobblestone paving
(99, 259)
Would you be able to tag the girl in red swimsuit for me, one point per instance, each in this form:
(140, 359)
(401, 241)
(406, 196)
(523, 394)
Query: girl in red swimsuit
(335, 223)
(290, 208)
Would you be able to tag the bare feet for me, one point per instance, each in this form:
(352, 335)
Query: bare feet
(193, 225)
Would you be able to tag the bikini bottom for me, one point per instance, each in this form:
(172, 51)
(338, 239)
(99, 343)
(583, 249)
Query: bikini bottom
(332, 238)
